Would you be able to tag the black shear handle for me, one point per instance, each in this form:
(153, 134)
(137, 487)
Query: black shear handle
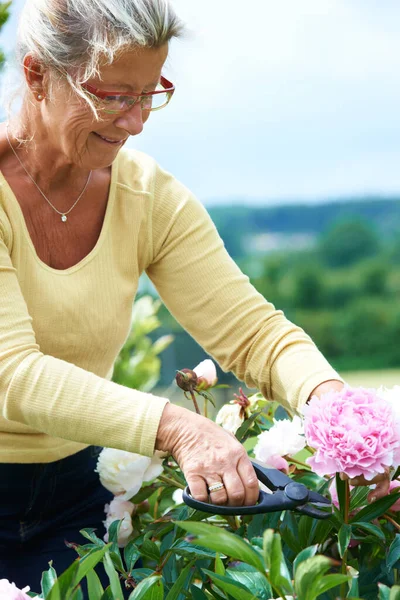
(266, 503)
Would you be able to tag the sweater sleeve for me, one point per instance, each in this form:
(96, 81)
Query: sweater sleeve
(214, 301)
(58, 398)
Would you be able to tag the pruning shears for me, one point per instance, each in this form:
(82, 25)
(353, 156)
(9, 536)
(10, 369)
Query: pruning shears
(286, 495)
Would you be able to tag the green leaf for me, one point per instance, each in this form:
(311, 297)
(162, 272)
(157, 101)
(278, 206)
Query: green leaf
(384, 592)
(113, 577)
(197, 593)
(228, 585)
(279, 575)
(223, 541)
(394, 553)
(89, 561)
(150, 588)
(182, 582)
(376, 509)
(89, 533)
(107, 594)
(65, 583)
(358, 497)
(328, 582)
(144, 493)
(370, 528)
(131, 555)
(150, 550)
(354, 574)
(309, 572)
(77, 594)
(253, 581)
(95, 589)
(140, 574)
(246, 425)
(219, 566)
(188, 550)
(395, 593)
(344, 537)
(303, 555)
(48, 580)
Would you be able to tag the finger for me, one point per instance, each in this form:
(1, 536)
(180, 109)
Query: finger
(217, 496)
(381, 490)
(249, 480)
(198, 488)
(234, 488)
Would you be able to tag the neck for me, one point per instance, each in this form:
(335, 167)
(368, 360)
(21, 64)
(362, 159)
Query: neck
(45, 163)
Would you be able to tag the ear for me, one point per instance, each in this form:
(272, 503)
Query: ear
(34, 76)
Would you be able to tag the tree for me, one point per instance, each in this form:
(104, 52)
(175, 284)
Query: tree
(4, 15)
(348, 242)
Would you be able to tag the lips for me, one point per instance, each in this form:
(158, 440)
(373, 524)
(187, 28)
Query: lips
(110, 140)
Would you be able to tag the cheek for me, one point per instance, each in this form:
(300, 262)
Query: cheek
(145, 115)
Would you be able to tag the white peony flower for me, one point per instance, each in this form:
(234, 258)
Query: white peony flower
(177, 496)
(117, 510)
(207, 371)
(229, 417)
(123, 473)
(283, 438)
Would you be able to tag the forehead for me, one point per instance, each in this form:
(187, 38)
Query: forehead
(135, 68)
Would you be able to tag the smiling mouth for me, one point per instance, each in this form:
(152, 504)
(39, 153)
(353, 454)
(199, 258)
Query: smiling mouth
(109, 140)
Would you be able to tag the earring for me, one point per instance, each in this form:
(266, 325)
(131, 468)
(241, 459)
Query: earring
(40, 97)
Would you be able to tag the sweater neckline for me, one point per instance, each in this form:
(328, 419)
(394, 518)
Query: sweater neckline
(103, 233)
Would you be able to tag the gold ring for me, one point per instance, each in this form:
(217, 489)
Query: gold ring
(214, 487)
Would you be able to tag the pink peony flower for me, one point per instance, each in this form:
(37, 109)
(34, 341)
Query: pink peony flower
(206, 373)
(9, 591)
(353, 431)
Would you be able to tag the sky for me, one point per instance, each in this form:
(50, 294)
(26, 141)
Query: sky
(279, 100)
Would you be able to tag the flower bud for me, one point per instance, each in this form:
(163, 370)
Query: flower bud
(143, 507)
(206, 374)
(186, 379)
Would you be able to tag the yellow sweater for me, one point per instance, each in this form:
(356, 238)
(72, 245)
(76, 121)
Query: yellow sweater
(61, 331)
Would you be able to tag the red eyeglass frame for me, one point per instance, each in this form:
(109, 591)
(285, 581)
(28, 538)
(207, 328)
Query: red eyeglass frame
(103, 94)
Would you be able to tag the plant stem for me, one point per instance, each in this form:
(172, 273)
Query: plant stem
(346, 520)
(205, 408)
(156, 503)
(346, 501)
(196, 406)
(298, 462)
(172, 482)
(392, 521)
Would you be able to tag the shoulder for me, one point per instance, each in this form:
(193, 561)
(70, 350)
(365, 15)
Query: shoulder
(140, 172)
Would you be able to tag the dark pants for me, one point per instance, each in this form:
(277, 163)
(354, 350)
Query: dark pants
(41, 507)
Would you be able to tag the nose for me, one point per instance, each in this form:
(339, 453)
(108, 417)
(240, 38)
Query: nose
(132, 120)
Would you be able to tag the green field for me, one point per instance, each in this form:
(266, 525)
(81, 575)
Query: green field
(374, 379)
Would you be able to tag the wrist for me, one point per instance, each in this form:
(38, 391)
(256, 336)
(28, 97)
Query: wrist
(169, 427)
(325, 387)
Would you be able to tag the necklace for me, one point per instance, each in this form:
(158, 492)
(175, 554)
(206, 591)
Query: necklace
(63, 214)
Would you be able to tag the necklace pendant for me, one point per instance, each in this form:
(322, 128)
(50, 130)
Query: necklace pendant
(63, 218)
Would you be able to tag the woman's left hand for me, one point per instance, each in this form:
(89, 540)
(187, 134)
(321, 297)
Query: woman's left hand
(382, 482)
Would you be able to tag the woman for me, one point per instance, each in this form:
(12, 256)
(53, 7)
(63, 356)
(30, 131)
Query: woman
(80, 219)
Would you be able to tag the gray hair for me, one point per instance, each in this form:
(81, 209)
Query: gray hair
(74, 36)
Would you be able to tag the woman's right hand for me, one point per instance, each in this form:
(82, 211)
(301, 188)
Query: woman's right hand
(207, 454)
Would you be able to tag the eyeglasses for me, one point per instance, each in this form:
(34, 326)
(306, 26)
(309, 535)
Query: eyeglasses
(118, 102)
